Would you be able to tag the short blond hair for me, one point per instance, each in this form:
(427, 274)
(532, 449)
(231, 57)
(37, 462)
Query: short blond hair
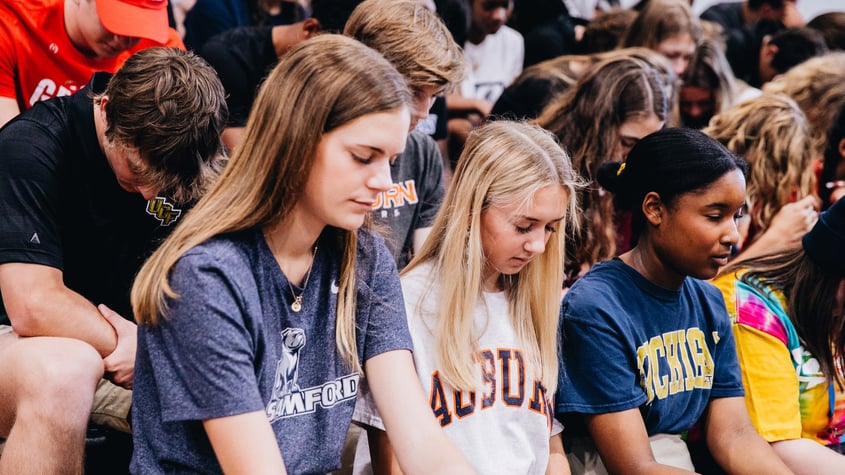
(412, 38)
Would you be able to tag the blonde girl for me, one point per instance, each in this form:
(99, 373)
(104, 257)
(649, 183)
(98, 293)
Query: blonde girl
(258, 316)
(483, 296)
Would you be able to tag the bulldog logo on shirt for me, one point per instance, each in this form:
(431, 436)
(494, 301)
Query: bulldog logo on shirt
(288, 398)
(287, 369)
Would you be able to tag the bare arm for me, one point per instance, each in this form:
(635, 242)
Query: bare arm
(231, 137)
(787, 228)
(8, 109)
(382, 458)
(806, 457)
(457, 105)
(120, 363)
(420, 236)
(791, 16)
(416, 437)
(623, 444)
(558, 465)
(245, 444)
(734, 442)
(39, 304)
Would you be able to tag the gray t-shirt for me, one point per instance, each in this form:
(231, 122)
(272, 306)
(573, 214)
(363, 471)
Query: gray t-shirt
(233, 345)
(414, 197)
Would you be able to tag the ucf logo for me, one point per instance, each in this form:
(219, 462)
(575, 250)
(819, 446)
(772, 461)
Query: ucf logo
(163, 211)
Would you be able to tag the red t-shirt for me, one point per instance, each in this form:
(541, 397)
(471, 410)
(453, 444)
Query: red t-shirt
(37, 59)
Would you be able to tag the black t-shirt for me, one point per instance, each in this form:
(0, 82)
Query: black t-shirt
(549, 39)
(743, 49)
(63, 207)
(526, 98)
(728, 14)
(242, 58)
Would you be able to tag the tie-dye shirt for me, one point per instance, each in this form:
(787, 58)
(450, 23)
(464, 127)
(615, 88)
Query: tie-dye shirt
(785, 391)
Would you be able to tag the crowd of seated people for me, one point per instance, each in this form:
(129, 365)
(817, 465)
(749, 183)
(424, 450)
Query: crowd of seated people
(421, 236)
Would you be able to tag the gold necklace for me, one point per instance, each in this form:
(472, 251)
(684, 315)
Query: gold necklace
(296, 306)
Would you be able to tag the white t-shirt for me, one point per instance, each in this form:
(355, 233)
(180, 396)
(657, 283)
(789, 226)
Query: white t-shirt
(492, 64)
(505, 426)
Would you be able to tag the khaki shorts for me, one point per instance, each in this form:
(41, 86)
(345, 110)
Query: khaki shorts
(668, 449)
(111, 406)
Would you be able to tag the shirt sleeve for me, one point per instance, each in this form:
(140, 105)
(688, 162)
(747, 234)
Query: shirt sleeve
(203, 354)
(207, 19)
(387, 325)
(365, 412)
(239, 92)
(598, 374)
(519, 57)
(771, 384)
(431, 192)
(30, 194)
(727, 378)
(8, 60)
(557, 427)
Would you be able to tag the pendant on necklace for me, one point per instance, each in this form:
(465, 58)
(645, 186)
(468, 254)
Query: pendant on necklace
(296, 306)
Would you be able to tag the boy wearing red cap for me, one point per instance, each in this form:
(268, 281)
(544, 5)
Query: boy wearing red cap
(50, 48)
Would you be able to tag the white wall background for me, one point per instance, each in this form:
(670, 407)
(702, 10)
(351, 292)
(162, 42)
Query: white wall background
(808, 8)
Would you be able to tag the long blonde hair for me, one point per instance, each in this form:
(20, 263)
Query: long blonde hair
(773, 136)
(817, 86)
(320, 85)
(502, 163)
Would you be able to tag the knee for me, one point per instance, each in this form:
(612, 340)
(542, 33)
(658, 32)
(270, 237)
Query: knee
(60, 368)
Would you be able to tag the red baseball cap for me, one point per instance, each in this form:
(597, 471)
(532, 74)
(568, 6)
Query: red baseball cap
(135, 18)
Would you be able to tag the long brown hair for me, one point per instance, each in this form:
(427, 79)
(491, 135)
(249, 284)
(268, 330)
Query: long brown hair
(817, 86)
(586, 121)
(659, 20)
(321, 84)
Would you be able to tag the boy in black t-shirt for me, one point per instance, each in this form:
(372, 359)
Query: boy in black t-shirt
(89, 184)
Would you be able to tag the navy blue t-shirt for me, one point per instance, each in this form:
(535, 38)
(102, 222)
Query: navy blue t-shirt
(233, 345)
(630, 343)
